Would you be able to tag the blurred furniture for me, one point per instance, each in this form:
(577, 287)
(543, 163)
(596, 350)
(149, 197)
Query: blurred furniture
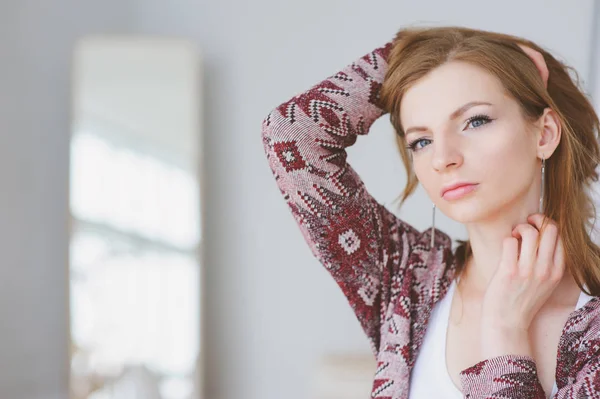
(343, 376)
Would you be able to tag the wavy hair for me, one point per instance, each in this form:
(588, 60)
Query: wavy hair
(570, 170)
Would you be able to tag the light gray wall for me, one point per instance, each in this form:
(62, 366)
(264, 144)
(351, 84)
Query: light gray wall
(36, 40)
(271, 309)
(594, 64)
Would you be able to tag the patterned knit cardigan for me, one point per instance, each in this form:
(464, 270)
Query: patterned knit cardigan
(385, 267)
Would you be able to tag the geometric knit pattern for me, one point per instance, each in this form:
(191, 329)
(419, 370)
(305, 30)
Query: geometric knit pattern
(385, 267)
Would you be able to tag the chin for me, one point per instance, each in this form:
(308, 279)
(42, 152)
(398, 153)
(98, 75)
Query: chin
(466, 211)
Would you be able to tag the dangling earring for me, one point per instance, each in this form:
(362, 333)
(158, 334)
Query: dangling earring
(432, 228)
(543, 178)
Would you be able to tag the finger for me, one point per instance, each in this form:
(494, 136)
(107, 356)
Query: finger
(528, 254)
(559, 259)
(510, 251)
(545, 257)
(539, 221)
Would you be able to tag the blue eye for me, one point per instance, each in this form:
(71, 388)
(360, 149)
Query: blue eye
(478, 121)
(475, 122)
(413, 145)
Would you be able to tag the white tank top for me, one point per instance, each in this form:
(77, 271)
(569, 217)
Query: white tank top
(429, 376)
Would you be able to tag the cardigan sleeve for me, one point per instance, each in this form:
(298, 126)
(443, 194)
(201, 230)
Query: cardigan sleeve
(512, 376)
(361, 244)
(507, 376)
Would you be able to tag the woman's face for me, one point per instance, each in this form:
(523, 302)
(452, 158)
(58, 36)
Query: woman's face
(464, 127)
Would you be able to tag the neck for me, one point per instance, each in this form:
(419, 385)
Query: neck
(486, 237)
(486, 246)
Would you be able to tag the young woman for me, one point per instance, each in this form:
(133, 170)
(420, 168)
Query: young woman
(502, 140)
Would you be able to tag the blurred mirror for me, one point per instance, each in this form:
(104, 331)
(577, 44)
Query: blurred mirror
(135, 207)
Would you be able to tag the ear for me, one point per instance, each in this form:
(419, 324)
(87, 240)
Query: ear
(549, 133)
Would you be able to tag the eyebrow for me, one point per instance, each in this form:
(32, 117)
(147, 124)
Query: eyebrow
(453, 115)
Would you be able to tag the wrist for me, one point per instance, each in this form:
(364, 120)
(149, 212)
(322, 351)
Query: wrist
(505, 322)
(502, 340)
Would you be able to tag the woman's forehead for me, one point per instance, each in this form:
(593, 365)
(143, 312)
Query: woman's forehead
(447, 88)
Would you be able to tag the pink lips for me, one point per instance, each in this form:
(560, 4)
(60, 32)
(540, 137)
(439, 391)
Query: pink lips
(459, 191)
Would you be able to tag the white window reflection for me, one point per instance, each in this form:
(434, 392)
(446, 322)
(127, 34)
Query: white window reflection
(134, 274)
(133, 192)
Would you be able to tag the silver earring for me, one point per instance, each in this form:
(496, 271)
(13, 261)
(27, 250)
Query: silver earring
(541, 207)
(432, 228)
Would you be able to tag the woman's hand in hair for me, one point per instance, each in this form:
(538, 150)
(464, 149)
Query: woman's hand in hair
(530, 269)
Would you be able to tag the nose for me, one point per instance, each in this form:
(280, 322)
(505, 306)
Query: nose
(446, 153)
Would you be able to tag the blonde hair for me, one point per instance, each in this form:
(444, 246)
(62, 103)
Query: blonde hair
(570, 170)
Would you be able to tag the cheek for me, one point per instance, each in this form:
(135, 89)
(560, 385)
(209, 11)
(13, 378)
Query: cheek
(505, 155)
(503, 166)
(499, 158)
(428, 178)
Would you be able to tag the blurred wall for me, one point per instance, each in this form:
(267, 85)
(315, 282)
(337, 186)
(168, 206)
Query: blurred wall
(271, 310)
(36, 39)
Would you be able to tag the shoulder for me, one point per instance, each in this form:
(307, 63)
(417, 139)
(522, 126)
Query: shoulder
(580, 341)
(433, 267)
(585, 321)
(579, 347)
